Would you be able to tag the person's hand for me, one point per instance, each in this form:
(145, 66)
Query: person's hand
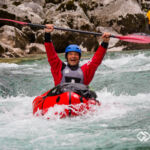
(49, 28)
(106, 37)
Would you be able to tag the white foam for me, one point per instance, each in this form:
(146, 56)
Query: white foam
(7, 65)
(17, 122)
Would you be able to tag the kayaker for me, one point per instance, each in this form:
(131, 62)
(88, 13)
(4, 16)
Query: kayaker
(148, 17)
(72, 72)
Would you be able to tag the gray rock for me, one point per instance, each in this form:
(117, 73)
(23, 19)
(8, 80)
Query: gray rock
(32, 7)
(2, 49)
(35, 48)
(103, 16)
(39, 36)
(69, 14)
(13, 37)
(7, 51)
(18, 2)
(26, 12)
(29, 33)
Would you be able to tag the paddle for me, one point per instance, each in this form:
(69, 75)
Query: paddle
(128, 38)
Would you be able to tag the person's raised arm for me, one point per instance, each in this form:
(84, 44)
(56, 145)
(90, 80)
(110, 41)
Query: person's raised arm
(90, 67)
(52, 56)
(53, 59)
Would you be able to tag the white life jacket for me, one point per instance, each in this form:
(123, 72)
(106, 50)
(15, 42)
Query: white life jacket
(72, 76)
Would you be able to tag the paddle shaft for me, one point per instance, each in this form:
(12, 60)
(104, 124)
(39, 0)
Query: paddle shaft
(65, 29)
(128, 38)
(79, 31)
(57, 28)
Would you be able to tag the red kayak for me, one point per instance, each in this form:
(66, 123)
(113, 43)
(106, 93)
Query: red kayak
(75, 99)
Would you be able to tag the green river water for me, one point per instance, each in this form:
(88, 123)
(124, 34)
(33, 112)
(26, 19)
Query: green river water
(122, 84)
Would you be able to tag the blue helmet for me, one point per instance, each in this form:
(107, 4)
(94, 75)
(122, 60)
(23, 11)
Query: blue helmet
(73, 48)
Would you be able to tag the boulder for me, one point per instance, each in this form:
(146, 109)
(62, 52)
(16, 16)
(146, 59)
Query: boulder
(39, 36)
(23, 11)
(13, 37)
(2, 49)
(35, 48)
(119, 15)
(32, 7)
(89, 43)
(18, 2)
(69, 14)
(7, 51)
(105, 12)
(29, 33)
(27, 12)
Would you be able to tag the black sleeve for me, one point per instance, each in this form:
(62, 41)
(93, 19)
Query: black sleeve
(47, 37)
(104, 44)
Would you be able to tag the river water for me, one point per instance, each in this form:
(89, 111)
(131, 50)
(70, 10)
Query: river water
(122, 84)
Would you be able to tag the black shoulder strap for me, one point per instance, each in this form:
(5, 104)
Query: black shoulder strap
(63, 66)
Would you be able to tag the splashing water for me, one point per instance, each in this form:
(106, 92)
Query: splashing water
(122, 85)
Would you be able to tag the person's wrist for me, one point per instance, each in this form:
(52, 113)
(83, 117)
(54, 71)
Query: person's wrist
(104, 44)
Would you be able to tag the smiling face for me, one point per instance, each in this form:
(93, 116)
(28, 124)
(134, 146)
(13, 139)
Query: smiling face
(73, 58)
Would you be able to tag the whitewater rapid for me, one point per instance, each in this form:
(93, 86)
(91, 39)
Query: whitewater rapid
(122, 85)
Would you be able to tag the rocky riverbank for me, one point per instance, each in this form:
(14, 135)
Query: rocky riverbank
(115, 16)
